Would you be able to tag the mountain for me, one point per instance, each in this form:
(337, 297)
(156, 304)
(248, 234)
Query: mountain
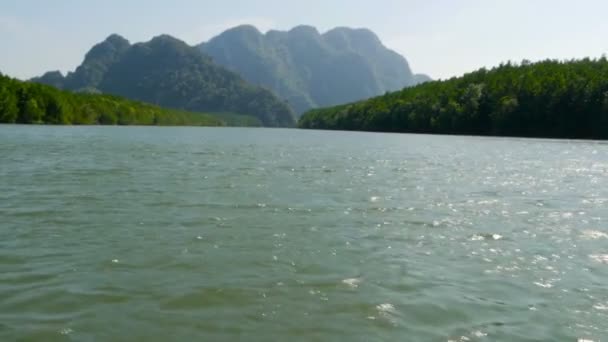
(167, 72)
(422, 78)
(52, 78)
(549, 99)
(32, 103)
(309, 69)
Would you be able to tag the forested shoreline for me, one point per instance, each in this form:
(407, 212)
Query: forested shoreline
(33, 103)
(551, 99)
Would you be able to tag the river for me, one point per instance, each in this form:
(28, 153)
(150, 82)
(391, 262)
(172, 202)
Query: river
(226, 234)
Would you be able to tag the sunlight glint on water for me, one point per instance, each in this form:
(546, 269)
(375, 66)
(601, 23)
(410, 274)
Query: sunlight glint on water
(156, 234)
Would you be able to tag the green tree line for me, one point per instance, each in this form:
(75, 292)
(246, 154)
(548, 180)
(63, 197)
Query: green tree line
(33, 103)
(552, 99)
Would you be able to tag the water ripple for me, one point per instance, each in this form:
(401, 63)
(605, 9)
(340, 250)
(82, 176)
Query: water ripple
(226, 234)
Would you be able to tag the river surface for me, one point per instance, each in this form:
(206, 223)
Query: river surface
(219, 234)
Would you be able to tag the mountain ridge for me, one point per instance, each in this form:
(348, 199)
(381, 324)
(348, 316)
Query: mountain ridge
(245, 71)
(310, 69)
(166, 71)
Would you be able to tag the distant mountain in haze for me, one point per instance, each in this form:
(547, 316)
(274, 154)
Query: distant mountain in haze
(244, 71)
(167, 72)
(422, 78)
(309, 69)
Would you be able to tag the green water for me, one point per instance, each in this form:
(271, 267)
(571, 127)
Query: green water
(195, 234)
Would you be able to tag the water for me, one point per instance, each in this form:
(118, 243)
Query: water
(158, 234)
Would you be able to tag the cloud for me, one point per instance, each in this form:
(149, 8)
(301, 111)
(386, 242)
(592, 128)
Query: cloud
(205, 32)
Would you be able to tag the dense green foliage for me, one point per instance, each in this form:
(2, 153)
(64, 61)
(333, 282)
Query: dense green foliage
(32, 103)
(545, 99)
(309, 69)
(169, 73)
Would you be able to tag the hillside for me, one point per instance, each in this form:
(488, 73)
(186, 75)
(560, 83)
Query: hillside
(31, 103)
(546, 99)
(167, 72)
(309, 69)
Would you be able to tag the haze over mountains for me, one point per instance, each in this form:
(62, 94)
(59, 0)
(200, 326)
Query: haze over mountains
(269, 76)
(167, 72)
(309, 69)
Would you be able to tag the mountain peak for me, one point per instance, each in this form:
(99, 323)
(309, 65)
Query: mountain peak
(165, 38)
(117, 40)
(245, 28)
(422, 78)
(354, 33)
(52, 78)
(361, 39)
(54, 73)
(168, 46)
(308, 69)
(242, 33)
(110, 46)
(304, 30)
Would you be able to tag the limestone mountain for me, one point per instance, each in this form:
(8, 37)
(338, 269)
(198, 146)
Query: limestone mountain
(309, 69)
(167, 72)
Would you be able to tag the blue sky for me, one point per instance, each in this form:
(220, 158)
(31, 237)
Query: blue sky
(442, 38)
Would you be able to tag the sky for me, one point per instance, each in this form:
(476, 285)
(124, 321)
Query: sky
(442, 38)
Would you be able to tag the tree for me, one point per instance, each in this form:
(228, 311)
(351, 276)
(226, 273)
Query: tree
(56, 112)
(32, 112)
(9, 111)
(28, 103)
(545, 99)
